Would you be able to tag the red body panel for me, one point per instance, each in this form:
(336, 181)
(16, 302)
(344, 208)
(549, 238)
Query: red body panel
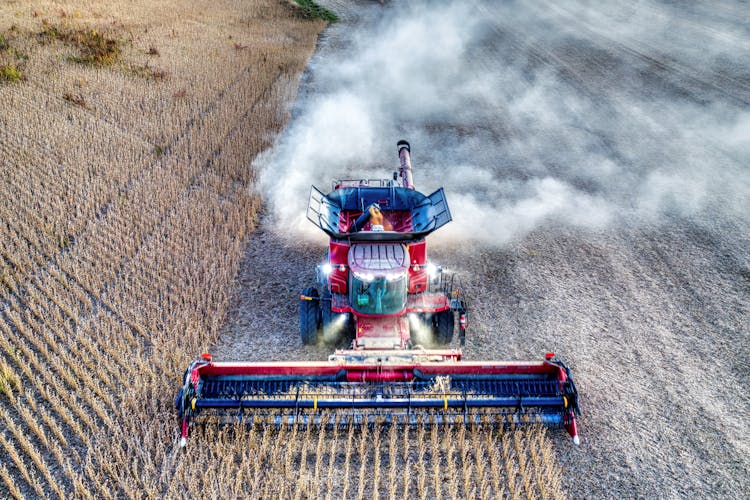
(380, 372)
(338, 254)
(417, 281)
(337, 282)
(381, 331)
(427, 302)
(337, 257)
(418, 253)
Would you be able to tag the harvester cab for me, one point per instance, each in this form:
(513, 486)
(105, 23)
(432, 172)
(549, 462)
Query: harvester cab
(377, 291)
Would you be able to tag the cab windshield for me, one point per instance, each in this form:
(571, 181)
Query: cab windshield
(378, 295)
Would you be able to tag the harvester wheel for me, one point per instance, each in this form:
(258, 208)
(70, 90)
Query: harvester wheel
(334, 329)
(309, 316)
(443, 324)
(330, 335)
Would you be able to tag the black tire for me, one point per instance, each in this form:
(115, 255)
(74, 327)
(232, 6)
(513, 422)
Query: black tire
(327, 316)
(443, 326)
(309, 317)
(433, 329)
(334, 335)
(416, 327)
(351, 328)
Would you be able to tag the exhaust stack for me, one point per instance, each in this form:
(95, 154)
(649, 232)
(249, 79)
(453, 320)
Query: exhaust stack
(405, 170)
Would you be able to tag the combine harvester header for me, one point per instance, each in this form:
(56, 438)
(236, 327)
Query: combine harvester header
(397, 312)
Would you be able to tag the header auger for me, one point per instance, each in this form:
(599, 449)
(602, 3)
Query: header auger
(397, 311)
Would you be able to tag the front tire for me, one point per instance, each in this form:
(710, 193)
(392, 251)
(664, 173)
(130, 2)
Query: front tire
(309, 317)
(443, 326)
(330, 336)
(334, 329)
(433, 329)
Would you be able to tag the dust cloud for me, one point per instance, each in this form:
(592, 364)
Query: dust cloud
(586, 114)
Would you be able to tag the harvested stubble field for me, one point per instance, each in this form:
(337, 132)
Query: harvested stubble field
(126, 132)
(595, 157)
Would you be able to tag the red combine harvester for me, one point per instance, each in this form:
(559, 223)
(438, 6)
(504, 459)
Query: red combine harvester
(379, 291)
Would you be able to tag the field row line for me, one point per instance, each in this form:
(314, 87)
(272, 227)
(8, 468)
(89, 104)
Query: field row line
(181, 147)
(68, 360)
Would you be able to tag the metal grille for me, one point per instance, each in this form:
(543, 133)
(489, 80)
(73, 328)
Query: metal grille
(378, 257)
(343, 418)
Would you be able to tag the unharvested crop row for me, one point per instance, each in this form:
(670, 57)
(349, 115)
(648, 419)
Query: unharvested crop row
(68, 182)
(204, 129)
(51, 301)
(152, 396)
(123, 228)
(114, 278)
(30, 325)
(381, 461)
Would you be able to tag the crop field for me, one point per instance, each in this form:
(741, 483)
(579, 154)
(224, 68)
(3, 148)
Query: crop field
(127, 131)
(378, 462)
(125, 142)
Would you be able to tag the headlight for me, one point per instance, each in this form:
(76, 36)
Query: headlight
(432, 270)
(326, 268)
